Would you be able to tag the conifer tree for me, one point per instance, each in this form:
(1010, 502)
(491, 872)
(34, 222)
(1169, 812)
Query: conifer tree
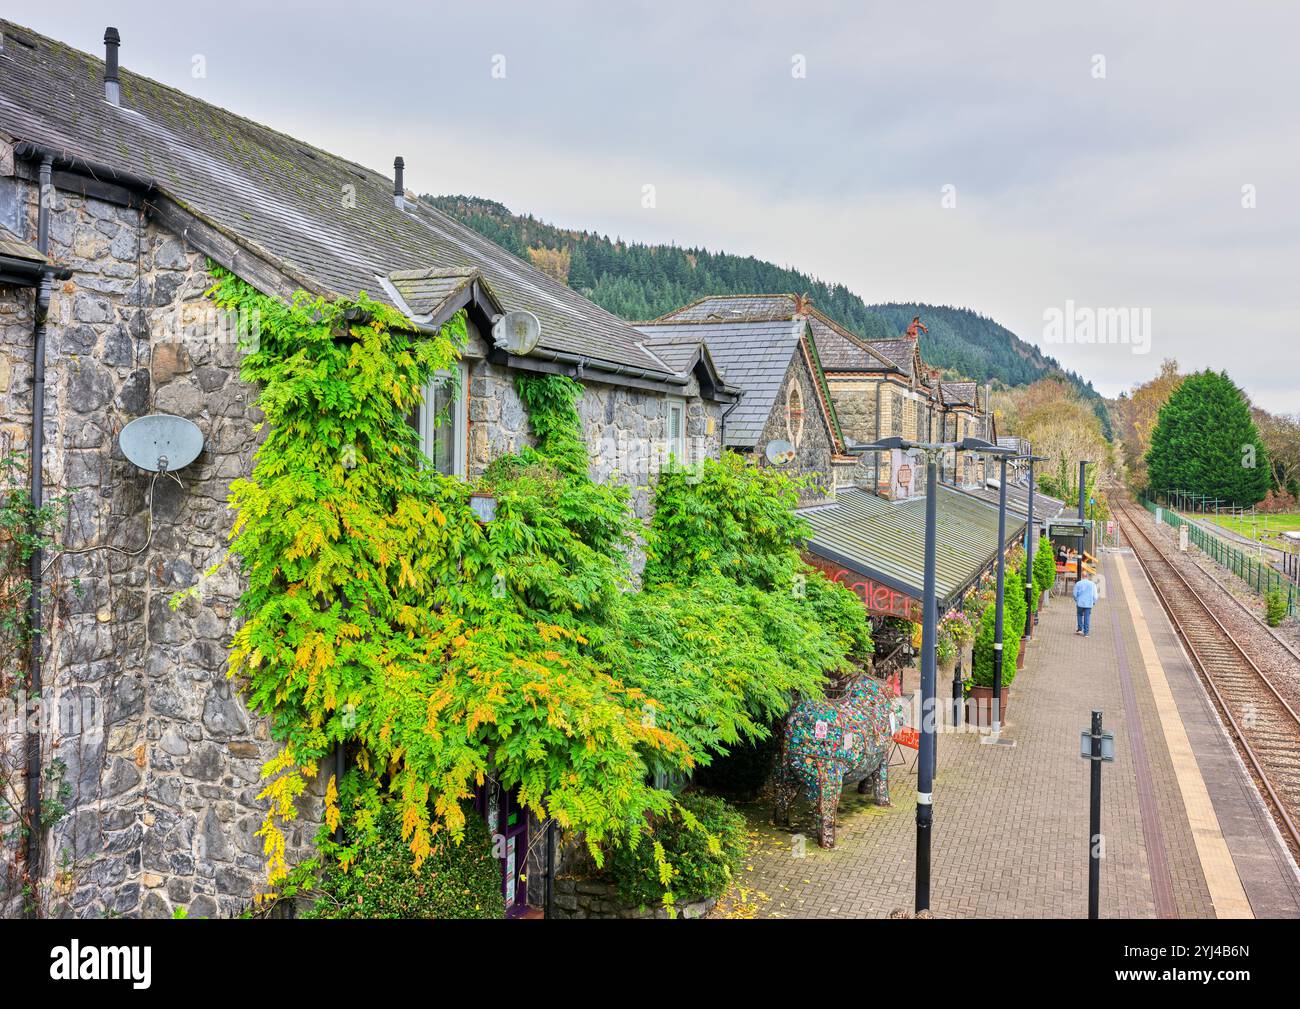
(1205, 442)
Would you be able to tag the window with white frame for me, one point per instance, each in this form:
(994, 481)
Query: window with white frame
(444, 420)
(676, 431)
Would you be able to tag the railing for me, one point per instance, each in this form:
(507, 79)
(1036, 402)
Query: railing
(1254, 572)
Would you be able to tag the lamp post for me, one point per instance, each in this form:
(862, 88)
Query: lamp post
(929, 634)
(1083, 495)
(999, 600)
(1029, 546)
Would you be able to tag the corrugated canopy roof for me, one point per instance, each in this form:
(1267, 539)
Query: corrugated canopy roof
(1018, 501)
(312, 214)
(885, 540)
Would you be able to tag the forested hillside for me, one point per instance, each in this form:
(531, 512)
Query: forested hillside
(638, 281)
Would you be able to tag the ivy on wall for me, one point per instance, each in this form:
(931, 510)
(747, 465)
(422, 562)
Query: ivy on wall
(380, 615)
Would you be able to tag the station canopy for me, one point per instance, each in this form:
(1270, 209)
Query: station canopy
(1045, 508)
(877, 547)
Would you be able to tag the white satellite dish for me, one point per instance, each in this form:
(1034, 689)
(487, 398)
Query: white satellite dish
(161, 442)
(780, 452)
(517, 332)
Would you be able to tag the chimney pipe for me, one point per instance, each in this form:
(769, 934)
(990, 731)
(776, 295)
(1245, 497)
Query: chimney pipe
(399, 187)
(112, 90)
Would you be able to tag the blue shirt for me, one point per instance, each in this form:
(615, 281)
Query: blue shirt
(1085, 594)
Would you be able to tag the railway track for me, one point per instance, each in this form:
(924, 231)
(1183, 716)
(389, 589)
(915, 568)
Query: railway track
(1265, 727)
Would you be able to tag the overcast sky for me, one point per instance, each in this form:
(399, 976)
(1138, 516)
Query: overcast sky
(1098, 153)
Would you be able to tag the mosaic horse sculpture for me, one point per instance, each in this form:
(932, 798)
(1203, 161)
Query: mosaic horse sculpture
(832, 743)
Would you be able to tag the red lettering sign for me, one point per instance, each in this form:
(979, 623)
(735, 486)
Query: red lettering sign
(877, 598)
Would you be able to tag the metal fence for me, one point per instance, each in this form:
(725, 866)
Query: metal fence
(1251, 570)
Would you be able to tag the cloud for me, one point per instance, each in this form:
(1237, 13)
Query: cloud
(1123, 191)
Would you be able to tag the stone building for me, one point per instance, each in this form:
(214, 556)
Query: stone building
(872, 389)
(116, 193)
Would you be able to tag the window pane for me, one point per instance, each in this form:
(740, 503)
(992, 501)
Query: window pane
(441, 424)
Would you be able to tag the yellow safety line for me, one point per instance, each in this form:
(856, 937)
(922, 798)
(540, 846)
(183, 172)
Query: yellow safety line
(1226, 892)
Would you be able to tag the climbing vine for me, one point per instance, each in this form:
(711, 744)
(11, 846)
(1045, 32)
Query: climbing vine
(380, 615)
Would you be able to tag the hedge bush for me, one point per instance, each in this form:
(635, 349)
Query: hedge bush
(1275, 607)
(982, 654)
(455, 881)
(704, 856)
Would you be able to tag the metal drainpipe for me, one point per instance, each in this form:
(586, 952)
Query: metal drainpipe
(33, 798)
(722, 425)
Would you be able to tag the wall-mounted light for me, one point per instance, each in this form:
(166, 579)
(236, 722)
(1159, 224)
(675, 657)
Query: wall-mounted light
(484, 506)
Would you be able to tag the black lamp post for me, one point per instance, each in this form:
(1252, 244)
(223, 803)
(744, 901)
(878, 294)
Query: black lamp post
(996, 712)
(929, 634)
(1029, 547)
(1083, 496)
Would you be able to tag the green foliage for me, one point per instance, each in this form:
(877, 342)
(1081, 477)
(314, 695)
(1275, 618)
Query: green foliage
(703, 839)
(24, 529)
(1275, 607)
(1044, 566)
(380, 615)
(726, 517)
(1013, 626)
(457, 880)
(1205, 442)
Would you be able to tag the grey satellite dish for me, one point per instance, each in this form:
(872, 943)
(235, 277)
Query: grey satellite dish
(161, 442)
(780, 452)
(517, 332)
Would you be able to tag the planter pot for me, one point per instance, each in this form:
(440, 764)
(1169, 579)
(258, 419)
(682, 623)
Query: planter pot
(1020, 657)
(982, 713)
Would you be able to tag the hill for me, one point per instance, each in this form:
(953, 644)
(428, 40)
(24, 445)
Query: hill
(638, 281)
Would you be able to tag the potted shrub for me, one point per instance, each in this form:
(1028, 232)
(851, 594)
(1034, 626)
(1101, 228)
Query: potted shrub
(1044, 569)
(981, 679)
(1014, 613)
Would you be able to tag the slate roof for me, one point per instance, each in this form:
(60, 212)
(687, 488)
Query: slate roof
(901, 351)
(752, 355)
(885, 540)
(958, 393)
(837, 348)
(278, 197)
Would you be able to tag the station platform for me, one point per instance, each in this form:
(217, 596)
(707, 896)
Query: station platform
(1186, 834)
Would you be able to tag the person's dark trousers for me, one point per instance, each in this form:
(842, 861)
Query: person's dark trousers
(1084, 618)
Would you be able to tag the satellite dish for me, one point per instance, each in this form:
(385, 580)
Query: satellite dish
(780, 452)
(517, 332)
(161, 442)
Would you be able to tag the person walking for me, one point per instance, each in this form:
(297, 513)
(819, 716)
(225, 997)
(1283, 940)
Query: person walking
(1085, 597)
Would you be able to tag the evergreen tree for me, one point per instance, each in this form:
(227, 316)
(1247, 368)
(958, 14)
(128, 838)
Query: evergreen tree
(1205, 442)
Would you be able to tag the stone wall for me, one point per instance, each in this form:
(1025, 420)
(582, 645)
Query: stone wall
(579, 897)
(814, 449)
(162, 756)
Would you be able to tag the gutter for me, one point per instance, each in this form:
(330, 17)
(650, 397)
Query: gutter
(28, 151)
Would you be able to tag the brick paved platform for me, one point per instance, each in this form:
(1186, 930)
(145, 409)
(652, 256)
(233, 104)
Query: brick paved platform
(1186, 834)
